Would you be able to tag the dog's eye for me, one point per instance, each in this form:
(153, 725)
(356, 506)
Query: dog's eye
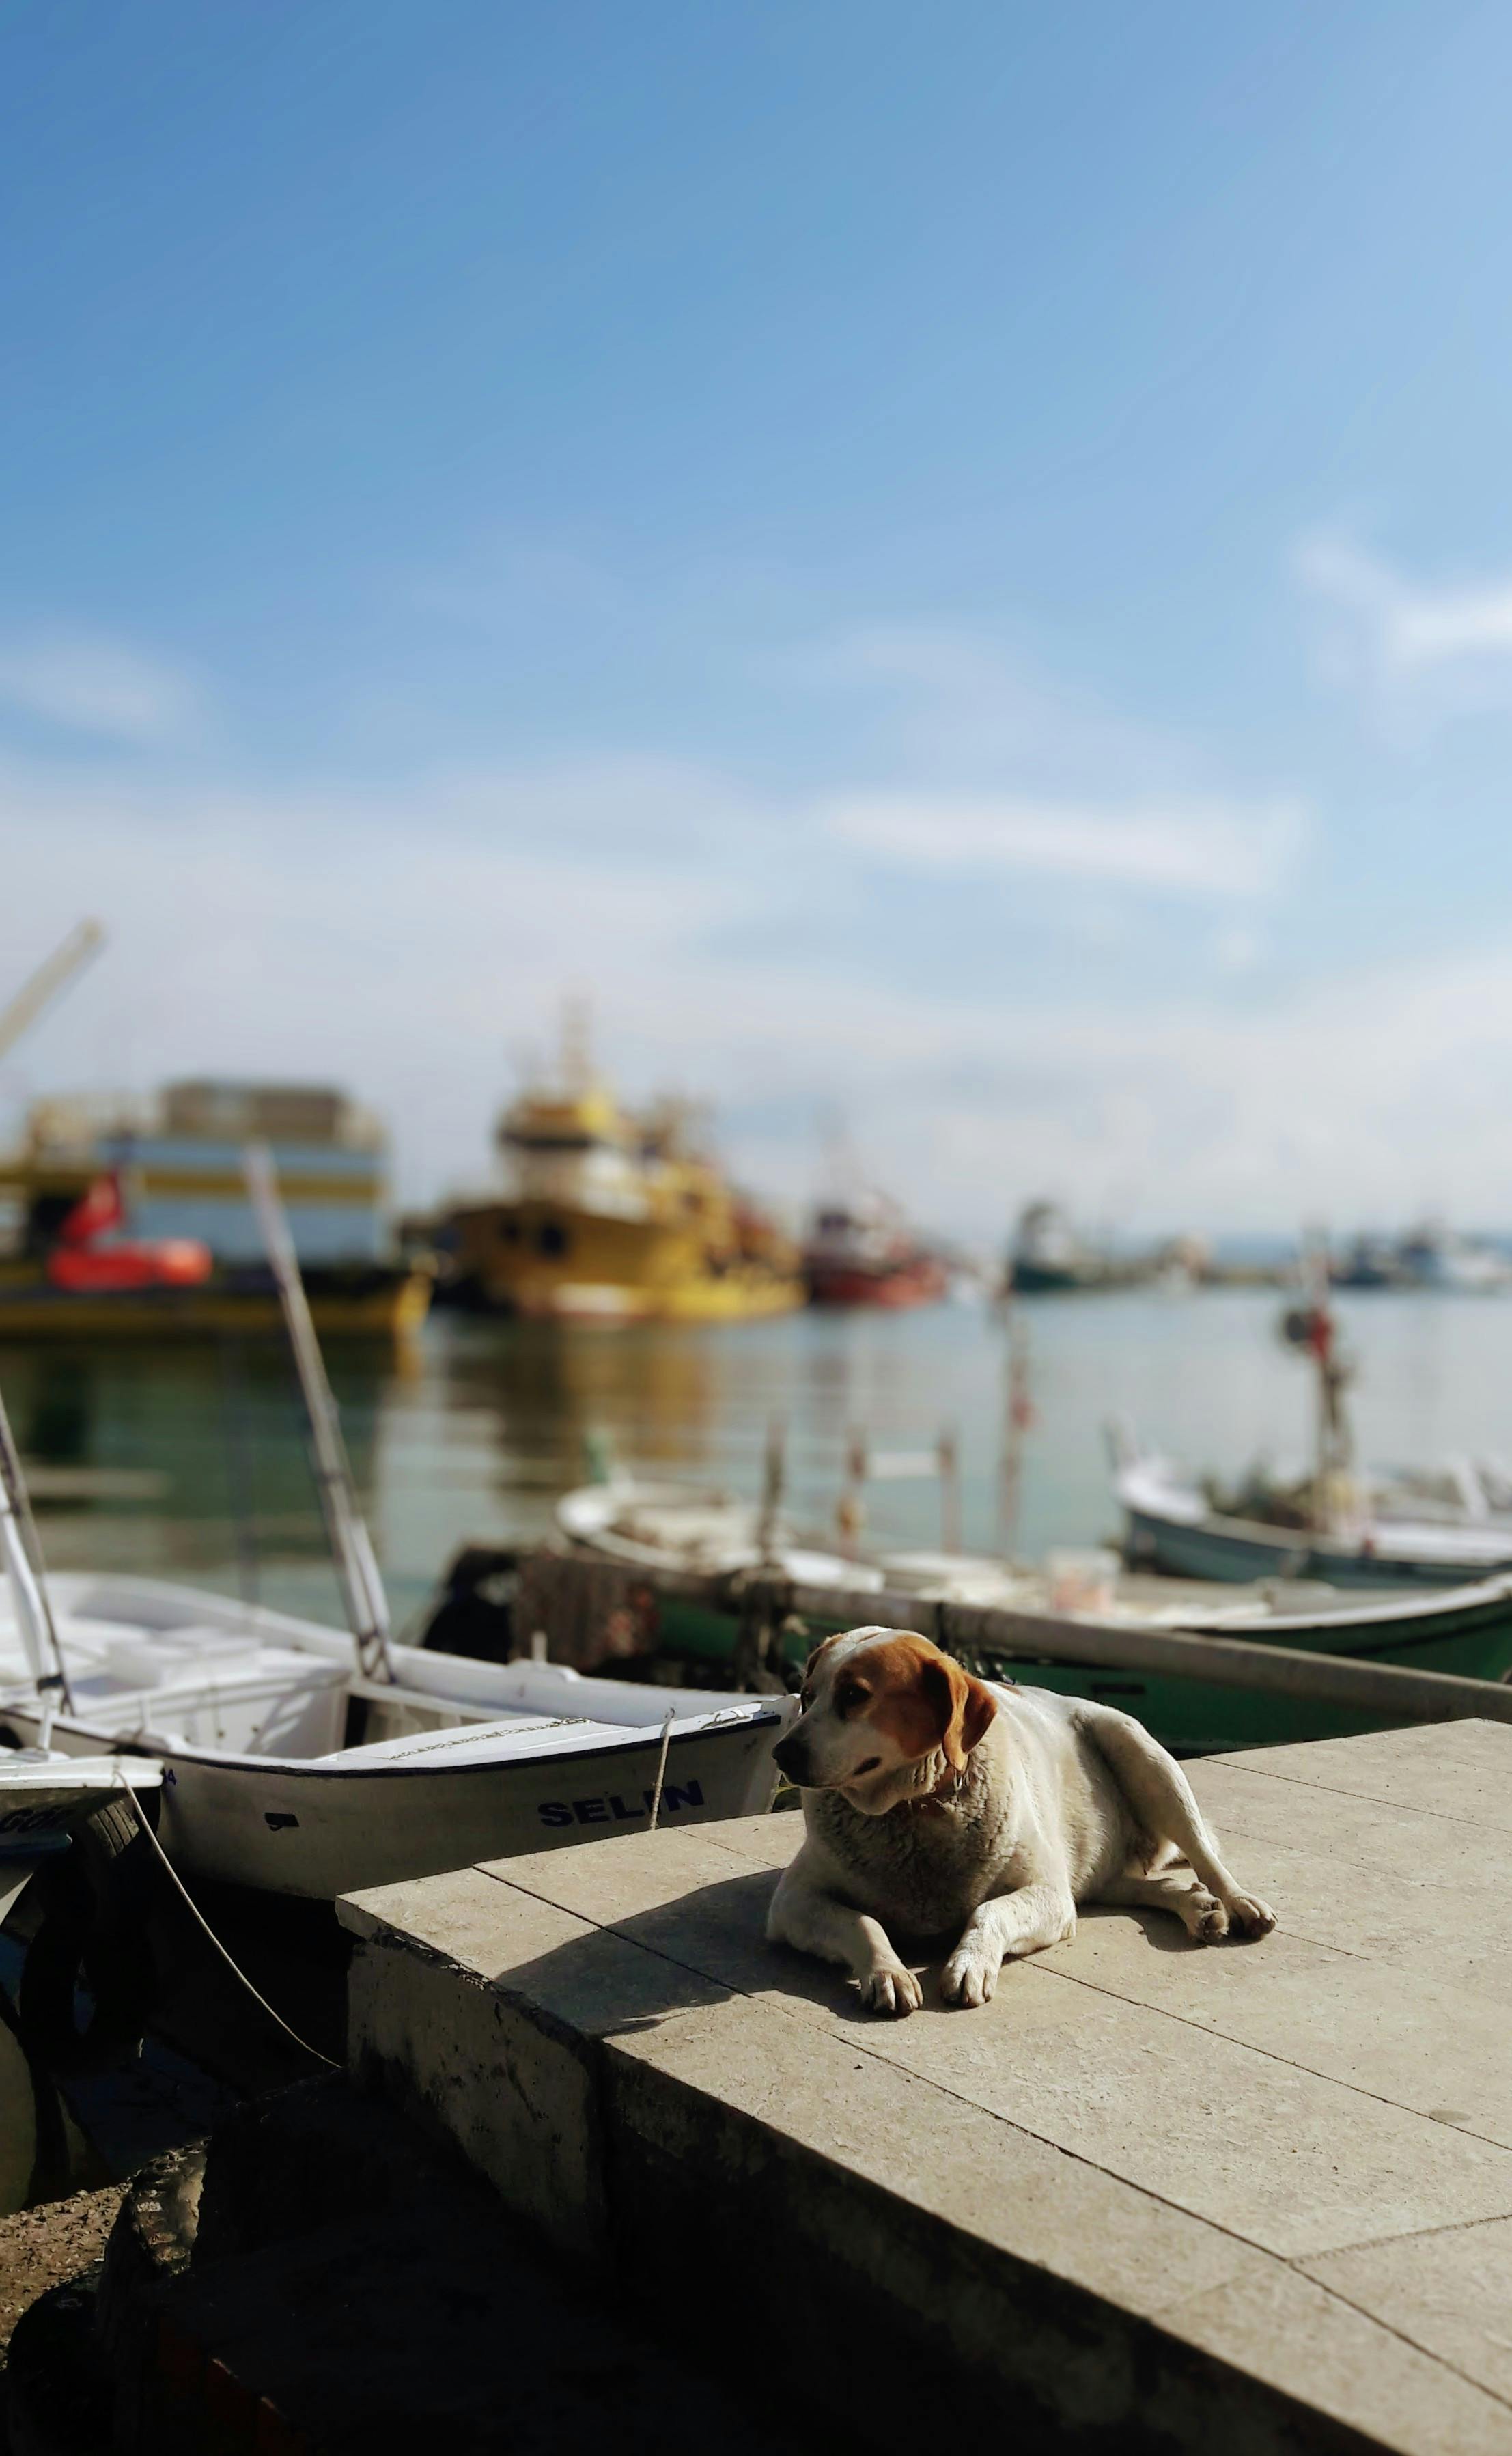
(850, 1696)
(806, 1698)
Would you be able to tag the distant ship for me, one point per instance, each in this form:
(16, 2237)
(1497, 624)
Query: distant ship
(130, 1218)
(615, 1215)
(1428, 1257)
(863, 1252)
(1047, 1257)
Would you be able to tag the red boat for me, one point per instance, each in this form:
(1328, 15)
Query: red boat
(865, 1254)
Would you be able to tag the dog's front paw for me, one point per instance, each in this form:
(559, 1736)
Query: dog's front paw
(1207, 1919)
(895, 1991)
(1249, 1917)
(969, 1976)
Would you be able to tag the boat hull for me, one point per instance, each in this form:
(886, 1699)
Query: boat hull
(363, 1304)
(561, 1262)
(1471, 1637)
(1236, 1553)
(920, 1283)
(325, 1828)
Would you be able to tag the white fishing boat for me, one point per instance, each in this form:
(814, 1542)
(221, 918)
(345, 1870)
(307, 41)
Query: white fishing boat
(285, 1768)
(44, 1796)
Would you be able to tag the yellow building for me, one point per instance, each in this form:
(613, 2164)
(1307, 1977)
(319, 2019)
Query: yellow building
(616, 1217)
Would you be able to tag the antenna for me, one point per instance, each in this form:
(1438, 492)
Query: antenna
(357, 1569)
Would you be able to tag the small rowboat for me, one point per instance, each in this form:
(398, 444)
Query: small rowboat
(639, 1524)
(1169, 1526)
(645, 1525)
(284, 1767)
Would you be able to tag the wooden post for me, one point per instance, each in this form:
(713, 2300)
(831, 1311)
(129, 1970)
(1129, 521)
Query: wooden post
(949, 1490)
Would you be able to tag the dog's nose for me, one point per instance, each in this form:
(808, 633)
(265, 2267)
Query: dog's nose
(790, 1756)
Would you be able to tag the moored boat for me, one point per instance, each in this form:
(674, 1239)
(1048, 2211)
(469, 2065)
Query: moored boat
(132, 1218)
(1047, 1257)
(1170, 1525)
(611, 1217)
(284, 1767)
(863, 1252)
(1466, 1629)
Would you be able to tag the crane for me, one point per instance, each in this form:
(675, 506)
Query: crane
(75, 952)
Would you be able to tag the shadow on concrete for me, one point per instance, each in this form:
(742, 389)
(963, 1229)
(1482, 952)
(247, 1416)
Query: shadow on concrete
(711, 1942)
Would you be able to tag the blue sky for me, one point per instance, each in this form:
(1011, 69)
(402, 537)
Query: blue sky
(950, 567)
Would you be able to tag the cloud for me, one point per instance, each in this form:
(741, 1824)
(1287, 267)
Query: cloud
(1212, 848)
(84, 684)
(411, 944)
(1452, 644)
(968, 708)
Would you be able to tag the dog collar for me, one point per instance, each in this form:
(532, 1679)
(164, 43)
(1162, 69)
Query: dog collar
(943, 1795)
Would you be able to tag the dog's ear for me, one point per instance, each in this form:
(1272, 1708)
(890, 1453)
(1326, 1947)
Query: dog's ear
(966, 1708)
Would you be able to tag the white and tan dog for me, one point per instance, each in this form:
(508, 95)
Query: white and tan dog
(942, 1804)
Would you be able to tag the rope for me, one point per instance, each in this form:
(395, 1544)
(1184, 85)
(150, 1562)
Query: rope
(234, 1968)
(661, 1770)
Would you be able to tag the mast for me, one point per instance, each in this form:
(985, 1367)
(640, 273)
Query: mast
(48, 978)
(357, 1569)
(23, 1561)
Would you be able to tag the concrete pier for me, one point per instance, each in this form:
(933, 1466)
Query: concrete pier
(1154, 2196)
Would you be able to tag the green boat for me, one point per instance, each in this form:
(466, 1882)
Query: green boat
(1464, 1629)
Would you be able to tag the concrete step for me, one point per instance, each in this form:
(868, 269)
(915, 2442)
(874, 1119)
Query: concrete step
(1152, 2196)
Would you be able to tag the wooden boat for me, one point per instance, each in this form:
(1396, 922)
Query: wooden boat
(44, 1796)
(285, 1768)
(675, 1530)
(1171, 1525)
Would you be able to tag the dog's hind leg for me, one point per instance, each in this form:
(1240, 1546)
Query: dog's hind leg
(1172, 1889)
(1163, 1804)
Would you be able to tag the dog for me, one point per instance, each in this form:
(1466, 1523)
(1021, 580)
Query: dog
(944, 1804)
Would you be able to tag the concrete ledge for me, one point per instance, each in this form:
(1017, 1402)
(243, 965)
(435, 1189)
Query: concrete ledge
(1150, 2193)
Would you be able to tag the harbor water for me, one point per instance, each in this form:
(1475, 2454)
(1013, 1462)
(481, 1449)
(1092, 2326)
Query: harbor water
(470, 1433)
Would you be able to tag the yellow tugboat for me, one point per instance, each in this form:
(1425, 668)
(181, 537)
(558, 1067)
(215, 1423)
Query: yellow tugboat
(611, 1216)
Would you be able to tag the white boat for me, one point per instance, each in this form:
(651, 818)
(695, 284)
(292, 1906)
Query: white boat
(1171, 1525)
(649, 1525)
(283, 1767)
(44, 1796)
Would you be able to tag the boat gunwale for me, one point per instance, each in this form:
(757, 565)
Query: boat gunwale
(635, 1734)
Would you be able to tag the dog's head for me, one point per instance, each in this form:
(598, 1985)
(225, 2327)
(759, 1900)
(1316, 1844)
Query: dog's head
(886, 1716)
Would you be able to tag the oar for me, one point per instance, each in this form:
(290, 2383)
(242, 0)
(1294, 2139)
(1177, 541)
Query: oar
(367, 1611)
(23, 1560)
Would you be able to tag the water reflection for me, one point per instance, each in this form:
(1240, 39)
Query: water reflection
(473, 1440)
